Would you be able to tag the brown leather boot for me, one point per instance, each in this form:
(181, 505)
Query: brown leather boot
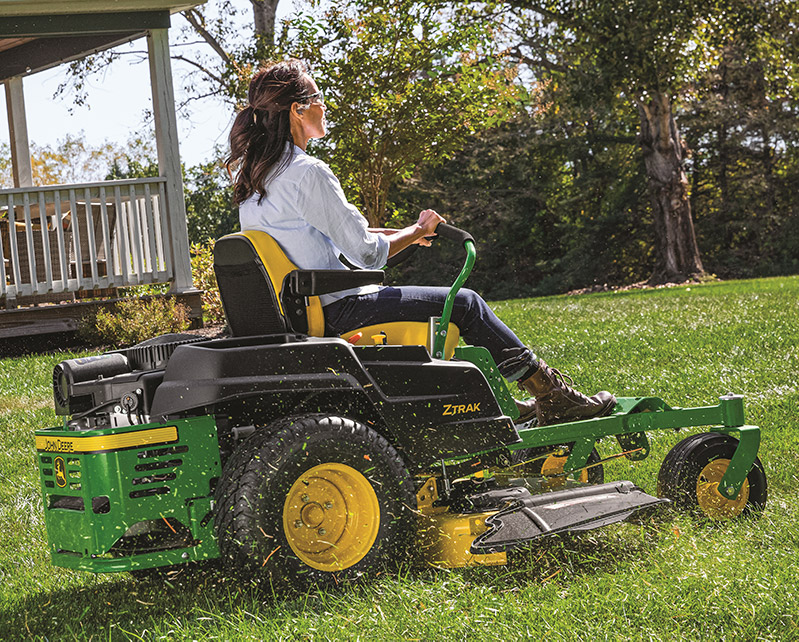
(558, 402)
(526, 410)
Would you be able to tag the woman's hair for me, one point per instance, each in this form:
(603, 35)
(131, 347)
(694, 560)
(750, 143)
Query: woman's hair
(260, 132)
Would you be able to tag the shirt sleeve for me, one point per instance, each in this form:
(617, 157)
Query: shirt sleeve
(324, 206)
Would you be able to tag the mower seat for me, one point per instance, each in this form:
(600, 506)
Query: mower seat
(263, 292)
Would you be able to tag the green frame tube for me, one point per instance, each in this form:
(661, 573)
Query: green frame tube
(443, 323)
(636, 415)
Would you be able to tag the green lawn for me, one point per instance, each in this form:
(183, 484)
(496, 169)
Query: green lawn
(673, 577)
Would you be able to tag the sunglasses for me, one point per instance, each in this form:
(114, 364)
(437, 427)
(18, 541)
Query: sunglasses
(318, 98)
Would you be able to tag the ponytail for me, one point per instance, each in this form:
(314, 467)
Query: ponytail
(262, 129)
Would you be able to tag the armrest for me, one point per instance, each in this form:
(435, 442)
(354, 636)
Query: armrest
(300, 284)
(316, 282)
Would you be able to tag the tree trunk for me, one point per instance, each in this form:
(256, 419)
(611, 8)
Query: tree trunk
(676, 252)
(722, 135)
(264, 17)
(373, 182)
(374, 192)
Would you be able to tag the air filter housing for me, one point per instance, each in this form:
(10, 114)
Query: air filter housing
(153, 354)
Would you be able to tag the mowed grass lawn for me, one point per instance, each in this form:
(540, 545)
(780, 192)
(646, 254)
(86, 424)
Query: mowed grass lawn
(668, 578)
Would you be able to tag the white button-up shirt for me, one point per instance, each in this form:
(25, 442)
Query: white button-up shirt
(306, 212)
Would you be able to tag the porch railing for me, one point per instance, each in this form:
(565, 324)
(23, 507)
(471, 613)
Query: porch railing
(64, 239)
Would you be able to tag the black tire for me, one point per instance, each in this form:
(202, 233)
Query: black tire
(696, 463)
(354, 474)
(542, 464)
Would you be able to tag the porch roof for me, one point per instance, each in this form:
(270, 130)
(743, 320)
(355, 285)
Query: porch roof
(39, 34)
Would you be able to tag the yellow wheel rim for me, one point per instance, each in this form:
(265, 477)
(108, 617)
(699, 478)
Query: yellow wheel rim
(711, 502)
(554, 465)
(331, 517)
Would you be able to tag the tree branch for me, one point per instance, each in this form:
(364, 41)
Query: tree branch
(207, 72)
(191, 99)
(194, 19)
(541, 62)
(554, 16)
(264, 18)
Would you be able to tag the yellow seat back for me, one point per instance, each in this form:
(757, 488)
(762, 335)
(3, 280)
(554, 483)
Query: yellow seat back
(277, 267)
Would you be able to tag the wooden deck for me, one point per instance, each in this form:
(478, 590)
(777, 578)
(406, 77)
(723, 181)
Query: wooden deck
(66, 249)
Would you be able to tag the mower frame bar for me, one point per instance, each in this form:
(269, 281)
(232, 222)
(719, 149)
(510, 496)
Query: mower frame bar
(636, 415)
(443, 323)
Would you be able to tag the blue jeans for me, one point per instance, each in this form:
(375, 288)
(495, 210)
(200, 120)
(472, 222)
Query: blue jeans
(477, 322)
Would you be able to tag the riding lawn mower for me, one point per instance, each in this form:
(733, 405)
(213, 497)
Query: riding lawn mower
(284, 453)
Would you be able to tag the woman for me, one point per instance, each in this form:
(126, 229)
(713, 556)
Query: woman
(297, 200)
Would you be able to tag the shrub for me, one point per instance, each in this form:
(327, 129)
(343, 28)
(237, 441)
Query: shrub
(202, 268)
(145, 290)
(135, 320)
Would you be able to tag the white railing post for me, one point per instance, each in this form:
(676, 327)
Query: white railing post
(166, 133)
(18, 133)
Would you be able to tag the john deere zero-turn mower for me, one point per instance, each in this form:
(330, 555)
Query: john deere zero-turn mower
(285, 452)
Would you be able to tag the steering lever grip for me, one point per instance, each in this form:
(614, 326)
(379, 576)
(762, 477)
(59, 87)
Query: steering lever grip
(452, 233)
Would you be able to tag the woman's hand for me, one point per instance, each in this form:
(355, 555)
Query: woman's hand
(425, 226)
(428, 222)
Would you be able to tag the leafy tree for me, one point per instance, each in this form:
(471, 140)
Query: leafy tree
(72, 160)
(590, 220)
(128, 167)
(549, 214)
(403, 85)
(6, 175)
(572, 197)
(209, 202)
(406, 83)
(636, 53)
(740, 121)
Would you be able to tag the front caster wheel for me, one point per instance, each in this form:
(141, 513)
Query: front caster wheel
(314, 499)
(691, 473)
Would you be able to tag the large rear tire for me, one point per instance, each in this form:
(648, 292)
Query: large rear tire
(314, 499)
(691, 472)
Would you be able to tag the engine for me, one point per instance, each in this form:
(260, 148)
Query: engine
(114, 389)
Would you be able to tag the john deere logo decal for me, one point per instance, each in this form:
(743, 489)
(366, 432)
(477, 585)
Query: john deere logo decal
(60, 472)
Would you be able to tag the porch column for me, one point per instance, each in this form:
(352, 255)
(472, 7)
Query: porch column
(166, 136)
(18, 133)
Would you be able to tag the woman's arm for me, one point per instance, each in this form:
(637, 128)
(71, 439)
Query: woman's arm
(324, 206)
(417, 233)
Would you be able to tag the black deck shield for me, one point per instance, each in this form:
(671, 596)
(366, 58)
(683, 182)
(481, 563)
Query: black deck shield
(575, 509)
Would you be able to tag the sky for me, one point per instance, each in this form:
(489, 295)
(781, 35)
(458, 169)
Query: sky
(116, 107)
